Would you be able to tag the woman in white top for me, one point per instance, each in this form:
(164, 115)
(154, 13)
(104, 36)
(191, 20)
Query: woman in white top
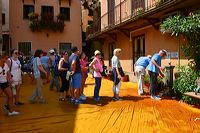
(16, 74)
(5, 84)
(118, 74)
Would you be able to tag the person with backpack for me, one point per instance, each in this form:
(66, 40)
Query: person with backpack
(76, 77)
(54, 61)
(16, 74)
(5, 81)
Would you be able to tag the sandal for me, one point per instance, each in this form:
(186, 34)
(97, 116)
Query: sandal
(61, 99)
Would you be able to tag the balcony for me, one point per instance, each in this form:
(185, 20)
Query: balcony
(134, 14)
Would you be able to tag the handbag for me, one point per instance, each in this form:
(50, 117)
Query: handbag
(42, 75)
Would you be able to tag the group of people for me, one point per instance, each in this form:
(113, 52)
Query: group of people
(153, 64)
(73, 72)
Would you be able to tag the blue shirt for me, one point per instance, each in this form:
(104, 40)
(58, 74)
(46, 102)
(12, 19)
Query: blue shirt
(44, 61)
(143, 61)
(36, 63)
(115, 62)
(152, 67)
(75, 58)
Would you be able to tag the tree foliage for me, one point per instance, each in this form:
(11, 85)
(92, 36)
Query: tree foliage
(189, 28)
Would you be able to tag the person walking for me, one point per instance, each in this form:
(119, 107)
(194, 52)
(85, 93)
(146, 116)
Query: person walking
(84, 72)
(5, 81)
(16, 75)
(76, 77)
(63, 68)
(96, 65)
(154, 70)
(118, 74)
(140, 72)
(37, 69)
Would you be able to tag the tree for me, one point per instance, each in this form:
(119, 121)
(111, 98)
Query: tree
(189, 28)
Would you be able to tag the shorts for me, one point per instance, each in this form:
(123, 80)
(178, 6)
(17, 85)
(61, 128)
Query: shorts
(17, 82)
(76, 81)
(3, 86)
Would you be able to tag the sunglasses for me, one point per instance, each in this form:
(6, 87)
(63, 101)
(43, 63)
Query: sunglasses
(16, 53)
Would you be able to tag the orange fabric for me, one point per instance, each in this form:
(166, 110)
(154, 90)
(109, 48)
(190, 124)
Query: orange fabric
(134, 114)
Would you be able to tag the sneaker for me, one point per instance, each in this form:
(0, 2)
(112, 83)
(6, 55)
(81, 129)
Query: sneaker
(83, 97)
(19, 103)
(13, 113)
(72, 100)
(152, 97)
(78, 102)
(97, 99)
(32, 101)
(157, 98)
(117, 99)
(6, 107)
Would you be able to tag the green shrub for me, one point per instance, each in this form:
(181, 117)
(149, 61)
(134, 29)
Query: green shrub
(186, 82)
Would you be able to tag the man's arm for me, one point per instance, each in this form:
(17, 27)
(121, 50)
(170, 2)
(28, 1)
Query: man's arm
(159, 67)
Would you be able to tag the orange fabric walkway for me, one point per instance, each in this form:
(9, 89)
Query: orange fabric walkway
(132, 115)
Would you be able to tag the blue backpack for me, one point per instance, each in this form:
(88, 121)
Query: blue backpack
(55, 65)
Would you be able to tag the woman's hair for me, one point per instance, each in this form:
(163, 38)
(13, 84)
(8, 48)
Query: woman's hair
(64, 53)
(38, 52)
(116, 51)
(12, 51)
(82, 55)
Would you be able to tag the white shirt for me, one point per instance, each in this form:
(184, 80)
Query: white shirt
(16, 70)
(3, 73)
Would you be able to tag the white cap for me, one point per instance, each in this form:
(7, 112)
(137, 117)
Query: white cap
(163, 51)
(51, 51)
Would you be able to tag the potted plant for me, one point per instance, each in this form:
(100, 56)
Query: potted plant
(147, 81)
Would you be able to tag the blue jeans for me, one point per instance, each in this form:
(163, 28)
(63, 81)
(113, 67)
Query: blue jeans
(97, 87)
(153, 83)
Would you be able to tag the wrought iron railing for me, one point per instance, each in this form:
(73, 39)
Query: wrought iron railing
(123, 11)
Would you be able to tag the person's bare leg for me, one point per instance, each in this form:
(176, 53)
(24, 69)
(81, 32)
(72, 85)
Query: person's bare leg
(9, 94)
(17, 93)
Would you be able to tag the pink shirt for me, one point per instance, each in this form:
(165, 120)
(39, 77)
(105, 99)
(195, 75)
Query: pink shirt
(98, 65)
(83, 65)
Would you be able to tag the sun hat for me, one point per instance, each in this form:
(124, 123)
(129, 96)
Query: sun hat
(97, 52)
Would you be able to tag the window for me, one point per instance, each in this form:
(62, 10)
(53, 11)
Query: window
(66, 12)
(64, 47)
(138, 47)
(47, 12)
(26, 10)
(25, 48)
(3, 19)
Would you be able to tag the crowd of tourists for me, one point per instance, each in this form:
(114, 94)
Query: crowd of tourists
(71, 71)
